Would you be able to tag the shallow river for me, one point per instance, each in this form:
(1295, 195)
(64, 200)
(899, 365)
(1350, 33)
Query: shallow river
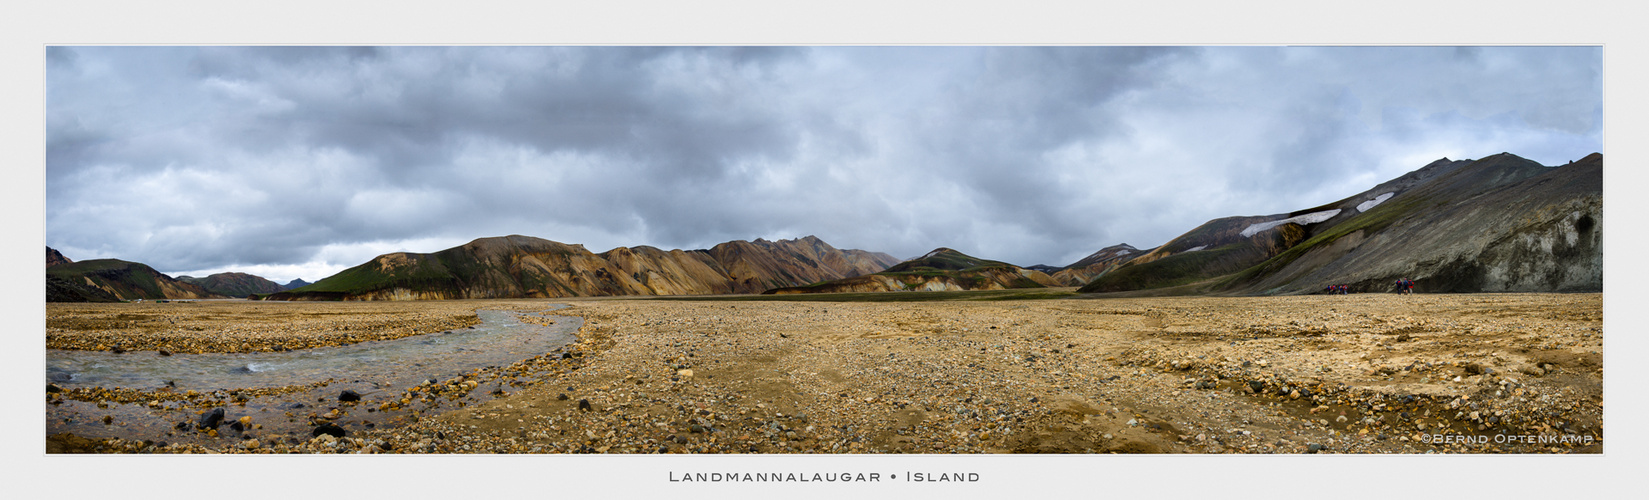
(379, 370)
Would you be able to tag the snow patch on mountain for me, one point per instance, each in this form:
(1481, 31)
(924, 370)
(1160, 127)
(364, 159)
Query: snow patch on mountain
(1311, 218)
(1364, 206)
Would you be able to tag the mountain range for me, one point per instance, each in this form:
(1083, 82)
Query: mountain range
(524, 266)
(112, 280)
(234, 284)
(940, 270)
(1497, 224)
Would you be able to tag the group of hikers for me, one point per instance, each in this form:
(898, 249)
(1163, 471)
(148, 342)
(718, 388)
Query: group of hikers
(1404, 285)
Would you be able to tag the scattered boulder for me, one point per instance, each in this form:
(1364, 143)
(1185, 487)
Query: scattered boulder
(210, 420)
(349, 395)
(328, 429)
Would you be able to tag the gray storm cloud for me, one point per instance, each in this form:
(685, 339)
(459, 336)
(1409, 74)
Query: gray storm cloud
(295, 161)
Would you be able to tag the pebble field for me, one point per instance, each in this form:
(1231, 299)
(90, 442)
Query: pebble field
(1363, 373)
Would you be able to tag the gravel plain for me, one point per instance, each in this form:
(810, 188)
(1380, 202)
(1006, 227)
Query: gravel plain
(195, 326)
(1364, 373)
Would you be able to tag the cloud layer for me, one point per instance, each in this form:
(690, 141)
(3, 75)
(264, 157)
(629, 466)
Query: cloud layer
(294, 162)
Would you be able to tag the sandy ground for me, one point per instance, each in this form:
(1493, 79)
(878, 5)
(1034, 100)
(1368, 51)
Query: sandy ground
(1368, 373)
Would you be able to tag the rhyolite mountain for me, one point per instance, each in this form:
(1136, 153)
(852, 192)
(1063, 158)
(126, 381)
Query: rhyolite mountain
(1083, 271)
(523, 266)
(295, 283)
(110, 280)
(1497, 224)
(234, 284)
(943, 269)
(53, 257)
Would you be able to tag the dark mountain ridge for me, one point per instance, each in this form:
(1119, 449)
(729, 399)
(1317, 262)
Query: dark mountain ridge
(109, 280)
(1500, 223)
(943, 269)
(234, 284)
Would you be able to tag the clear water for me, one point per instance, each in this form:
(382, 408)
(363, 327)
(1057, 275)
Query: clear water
(500, 339)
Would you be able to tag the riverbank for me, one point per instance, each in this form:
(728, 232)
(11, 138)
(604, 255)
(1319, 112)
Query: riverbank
(246, 326)
(284, 396)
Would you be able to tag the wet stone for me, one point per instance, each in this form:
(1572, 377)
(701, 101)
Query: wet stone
(328, 429)
(211, 419)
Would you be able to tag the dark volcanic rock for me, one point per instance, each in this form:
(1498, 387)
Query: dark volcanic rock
(211, 419)
(331, 429)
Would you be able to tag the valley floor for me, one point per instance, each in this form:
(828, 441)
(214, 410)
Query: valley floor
(1361, 373)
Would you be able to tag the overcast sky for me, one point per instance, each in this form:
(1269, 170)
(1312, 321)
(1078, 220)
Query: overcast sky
(298, 162)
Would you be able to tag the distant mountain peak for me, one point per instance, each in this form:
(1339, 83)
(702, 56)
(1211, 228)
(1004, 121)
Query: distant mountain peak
(939, 251)
(943, 269)
(54, 258)
(234, 284)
